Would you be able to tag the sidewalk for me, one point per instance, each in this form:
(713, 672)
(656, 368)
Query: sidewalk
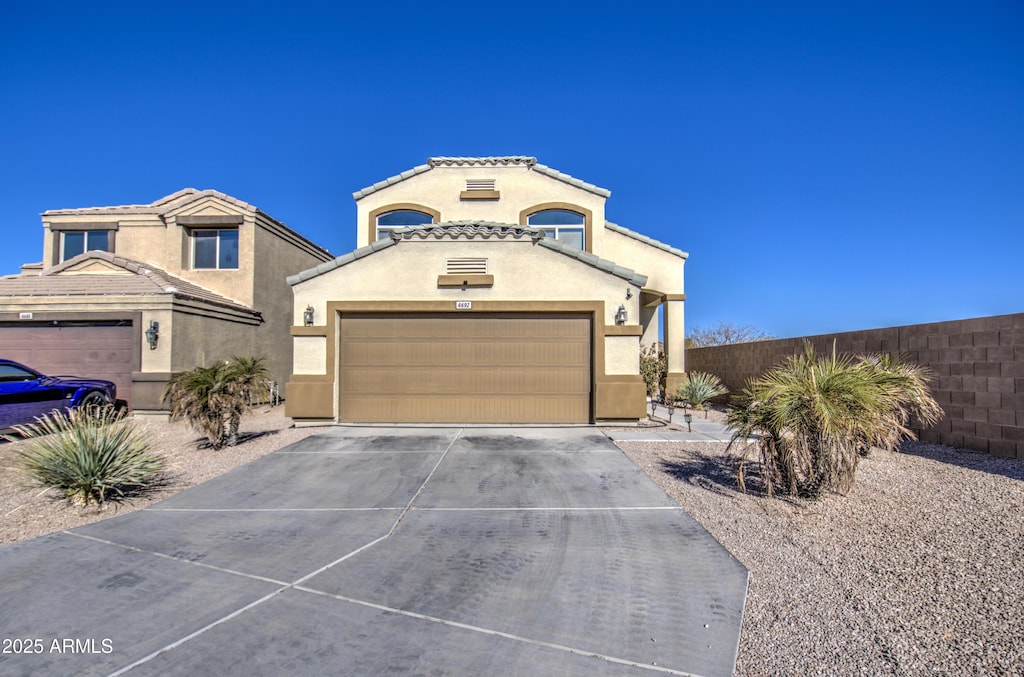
(703, 430)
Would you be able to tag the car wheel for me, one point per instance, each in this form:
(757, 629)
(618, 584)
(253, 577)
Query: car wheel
(94, 400)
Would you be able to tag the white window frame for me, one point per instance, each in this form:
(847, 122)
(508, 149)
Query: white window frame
(195, 242)
(85, 243)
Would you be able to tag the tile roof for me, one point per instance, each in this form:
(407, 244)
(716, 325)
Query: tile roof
(470, 228)
(146, 281)
(646, 240)
(161, 206)
(473, 229)
(496, 161)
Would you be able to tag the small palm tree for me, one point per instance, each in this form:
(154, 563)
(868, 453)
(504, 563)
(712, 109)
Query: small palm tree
(213, 399)
(814, 416)
(698, 387)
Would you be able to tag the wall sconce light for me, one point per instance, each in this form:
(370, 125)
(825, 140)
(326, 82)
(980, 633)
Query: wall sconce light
(629, 293)
(621, 316)
(152, 334)
(307, 316)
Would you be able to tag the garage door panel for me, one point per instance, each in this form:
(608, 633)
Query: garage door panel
(463, 409)
(93, 351)
(426, 381)
(499, 368)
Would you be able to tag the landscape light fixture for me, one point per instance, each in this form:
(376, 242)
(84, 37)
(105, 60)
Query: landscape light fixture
(688, 417)
(621, 316)
(307, 316)
(152, 334)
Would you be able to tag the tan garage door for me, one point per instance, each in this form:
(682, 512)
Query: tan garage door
(465, 368)
(91, 350)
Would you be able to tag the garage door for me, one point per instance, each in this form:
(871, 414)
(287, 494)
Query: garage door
(96, 350)
(465, 368)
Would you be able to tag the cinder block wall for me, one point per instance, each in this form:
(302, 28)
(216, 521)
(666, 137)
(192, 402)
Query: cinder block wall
(978, 365)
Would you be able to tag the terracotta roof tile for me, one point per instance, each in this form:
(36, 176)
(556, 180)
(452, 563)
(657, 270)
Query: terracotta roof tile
(145, 281)
(494, 161)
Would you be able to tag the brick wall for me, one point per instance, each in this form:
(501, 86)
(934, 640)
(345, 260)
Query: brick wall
(978, 365)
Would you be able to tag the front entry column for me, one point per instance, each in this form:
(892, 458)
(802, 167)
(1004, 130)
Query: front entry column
(675, 341)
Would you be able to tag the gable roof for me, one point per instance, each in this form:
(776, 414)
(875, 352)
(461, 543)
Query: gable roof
(470, 229)
(646, 240)
(137, 279)
(492, 161)
(178, 200)
(159, 207)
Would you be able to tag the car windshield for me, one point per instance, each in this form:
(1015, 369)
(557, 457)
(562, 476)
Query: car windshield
(11, 372)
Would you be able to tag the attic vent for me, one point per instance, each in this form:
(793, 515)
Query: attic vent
(467, 266)
(479, 184)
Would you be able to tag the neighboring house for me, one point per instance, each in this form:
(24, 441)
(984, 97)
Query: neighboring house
(486, 290)
(202, 269)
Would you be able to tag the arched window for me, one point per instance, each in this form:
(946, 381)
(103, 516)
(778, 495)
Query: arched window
(400, 218)
(561, 224)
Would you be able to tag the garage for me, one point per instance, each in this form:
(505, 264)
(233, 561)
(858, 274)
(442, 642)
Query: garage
(95, 349)
(465, 368)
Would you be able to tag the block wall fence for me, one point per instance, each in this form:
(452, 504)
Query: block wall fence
(978, 366)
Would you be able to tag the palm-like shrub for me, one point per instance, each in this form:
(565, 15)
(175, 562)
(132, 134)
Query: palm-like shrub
(91, 455)
(213, 399)
(698, 387)
(814, 416)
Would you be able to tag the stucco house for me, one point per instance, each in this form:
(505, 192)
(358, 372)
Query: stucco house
(486, 290)
(136, 293)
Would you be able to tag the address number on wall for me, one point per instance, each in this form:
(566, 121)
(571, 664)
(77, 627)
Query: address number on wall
(463, 305)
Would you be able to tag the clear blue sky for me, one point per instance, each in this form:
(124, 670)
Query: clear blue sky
(829, 166)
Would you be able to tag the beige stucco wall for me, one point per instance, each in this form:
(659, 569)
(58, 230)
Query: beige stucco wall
(519, 186)
(277, 255)
(664, 270)
(522, 270)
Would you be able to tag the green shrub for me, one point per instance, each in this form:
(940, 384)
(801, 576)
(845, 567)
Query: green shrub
(91, 455)
(698, 387)
(213, 399)
(814, 416)
(653, 368)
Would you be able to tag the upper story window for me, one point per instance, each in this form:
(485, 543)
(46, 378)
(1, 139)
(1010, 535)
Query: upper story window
(215, 249)
(75, 242)
(561, 224)
(400, 218)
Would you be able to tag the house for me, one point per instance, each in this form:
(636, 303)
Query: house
(488, 290)
(136, 293)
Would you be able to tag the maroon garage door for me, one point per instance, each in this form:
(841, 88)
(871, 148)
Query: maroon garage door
(92, 349)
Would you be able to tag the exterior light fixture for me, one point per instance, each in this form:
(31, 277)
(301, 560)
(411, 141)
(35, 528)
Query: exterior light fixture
(152, 334)
(307, 316)
(621, 316)
(629, 293)
(688, 417)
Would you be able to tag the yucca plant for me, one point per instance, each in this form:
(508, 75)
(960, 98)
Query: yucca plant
(814, 416)
(91, 455)
(698, 387)
(213, 399)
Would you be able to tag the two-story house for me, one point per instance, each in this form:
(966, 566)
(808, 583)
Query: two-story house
(488, 290)
(136, 293)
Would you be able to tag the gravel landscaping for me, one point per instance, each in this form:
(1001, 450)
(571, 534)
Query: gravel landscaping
(918, 570)
(28, 512)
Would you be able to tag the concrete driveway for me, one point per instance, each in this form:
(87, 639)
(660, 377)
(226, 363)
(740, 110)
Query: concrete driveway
(370, 551)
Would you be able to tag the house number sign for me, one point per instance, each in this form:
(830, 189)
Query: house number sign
(463, 305)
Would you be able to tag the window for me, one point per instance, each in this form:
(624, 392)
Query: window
(215, 249)
(561, 224)
(75, 242)
(400, 218)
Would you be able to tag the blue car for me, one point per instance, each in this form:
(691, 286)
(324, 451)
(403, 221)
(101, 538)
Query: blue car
(26, 394)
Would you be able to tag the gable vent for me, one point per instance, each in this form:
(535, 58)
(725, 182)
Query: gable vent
(467, 266)
(479, 184)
